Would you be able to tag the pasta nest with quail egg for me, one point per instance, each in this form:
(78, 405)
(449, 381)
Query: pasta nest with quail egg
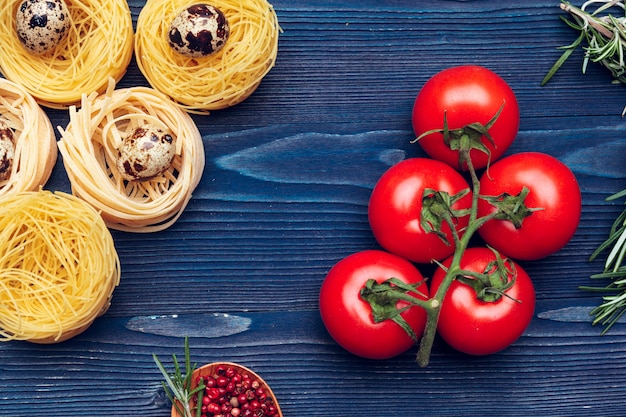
(28, 148)
(206, 56)
(134, 155)
(61, 49)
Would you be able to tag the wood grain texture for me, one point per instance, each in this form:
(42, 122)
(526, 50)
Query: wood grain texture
(284, 197)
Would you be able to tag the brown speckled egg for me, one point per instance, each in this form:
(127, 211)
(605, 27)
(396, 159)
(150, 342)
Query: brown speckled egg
(7, 150)
(147, 152)
(42, 24)
(199, 31)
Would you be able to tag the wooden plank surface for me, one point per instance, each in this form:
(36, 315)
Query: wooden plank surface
(284, 196)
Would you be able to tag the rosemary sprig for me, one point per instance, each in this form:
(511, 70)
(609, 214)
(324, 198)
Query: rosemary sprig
(613, 305)
(178, 385)
(602, 37)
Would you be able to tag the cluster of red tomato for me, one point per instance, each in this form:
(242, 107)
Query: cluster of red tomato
(453, 108)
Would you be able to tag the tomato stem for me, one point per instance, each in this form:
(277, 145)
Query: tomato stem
(454, 270)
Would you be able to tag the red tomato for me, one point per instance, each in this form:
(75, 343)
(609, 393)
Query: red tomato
(348, 318)
(466, 94)
(552, 188)
(396, 203)
(477, 327)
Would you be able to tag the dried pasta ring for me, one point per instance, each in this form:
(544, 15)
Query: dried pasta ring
(219, 80)
(98, 46)
(89, 146)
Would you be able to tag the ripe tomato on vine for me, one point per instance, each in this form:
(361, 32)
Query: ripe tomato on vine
(400, 217)
(349, 318)
(469, 108)
(486, 311)
(547, 216)
(424, 210)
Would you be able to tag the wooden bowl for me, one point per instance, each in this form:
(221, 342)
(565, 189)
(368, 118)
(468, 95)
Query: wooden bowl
(211, 369)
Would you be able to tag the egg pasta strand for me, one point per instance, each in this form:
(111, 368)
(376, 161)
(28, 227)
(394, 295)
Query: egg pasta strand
(99, 46)
(217, 81)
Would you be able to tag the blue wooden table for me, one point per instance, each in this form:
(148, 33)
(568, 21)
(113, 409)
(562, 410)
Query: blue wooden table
(284, 197)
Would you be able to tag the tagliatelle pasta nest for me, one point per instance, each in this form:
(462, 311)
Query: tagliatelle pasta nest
(89, 146)
(34, 140)
(99, 46)
(58, 266)
(217, 81)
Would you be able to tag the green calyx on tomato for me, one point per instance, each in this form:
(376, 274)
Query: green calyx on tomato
(511, 207)
(383, 298)
(438, 207)
(494, 281)
(464, 139)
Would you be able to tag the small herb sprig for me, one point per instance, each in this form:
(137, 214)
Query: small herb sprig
(602, 37)
(613, 305)
(178, 385)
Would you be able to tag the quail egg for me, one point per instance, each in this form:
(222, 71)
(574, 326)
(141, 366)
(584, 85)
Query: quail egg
(42, 24)
(7, 150)
(146, 152)
(199, 30)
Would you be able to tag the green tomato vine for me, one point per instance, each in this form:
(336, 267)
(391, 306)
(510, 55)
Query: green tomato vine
(491, 285)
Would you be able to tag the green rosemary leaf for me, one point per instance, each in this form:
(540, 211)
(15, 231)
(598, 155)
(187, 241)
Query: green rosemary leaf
(173, 389)
(566, 54)
(609, 275)
(602, 36)
(613, 305)
(616, 256)
(617, 196)
(177, 385)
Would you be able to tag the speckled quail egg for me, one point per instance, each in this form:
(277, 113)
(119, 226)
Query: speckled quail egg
(7, 150)
(146, 152)
(42, 24)
(199, 30)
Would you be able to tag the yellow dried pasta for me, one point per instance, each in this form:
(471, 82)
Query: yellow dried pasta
(89, 146)
(58, 266)
(35, 143)
(217, 81)
(99, 46)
